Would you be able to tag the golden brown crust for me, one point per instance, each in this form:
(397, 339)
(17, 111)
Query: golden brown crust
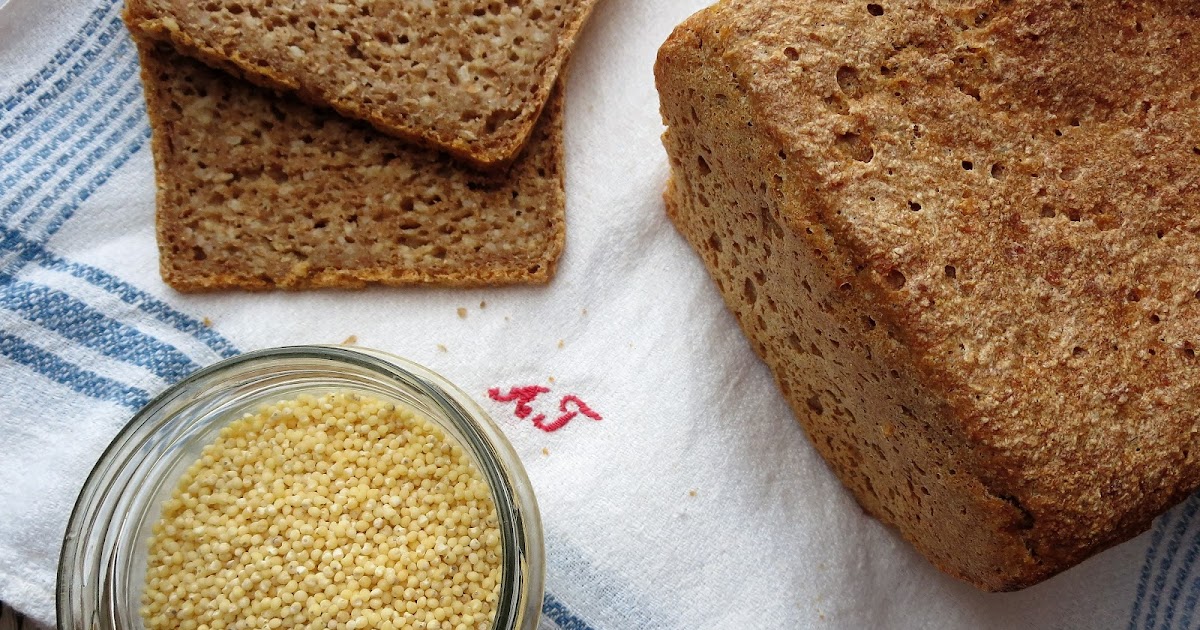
(389, 63)
(1009, 191)
(258, 191)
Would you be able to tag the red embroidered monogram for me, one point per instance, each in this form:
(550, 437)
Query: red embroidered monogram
(580, 408)
(525, 395)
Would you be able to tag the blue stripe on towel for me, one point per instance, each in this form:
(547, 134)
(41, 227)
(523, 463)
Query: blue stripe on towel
(1174, 548)
(1164, 566)
(561, 616)
(1158, 532)
(72, 319)
(56, 369)
(1181, 580)
(68, 210)
(96, 155)
(100, 97)
(1189, 605)
(143, 301)
(21, 171)
(102, 17)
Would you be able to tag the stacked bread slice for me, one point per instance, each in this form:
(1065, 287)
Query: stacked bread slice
(387, 141)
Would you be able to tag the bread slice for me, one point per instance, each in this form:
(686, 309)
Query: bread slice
(963, 235)
(258, 191)
(467, 78)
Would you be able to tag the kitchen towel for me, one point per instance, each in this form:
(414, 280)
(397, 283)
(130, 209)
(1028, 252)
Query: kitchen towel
(691, 500)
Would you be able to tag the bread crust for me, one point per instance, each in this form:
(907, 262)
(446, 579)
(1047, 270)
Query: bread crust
(962, 236)
(239, 44)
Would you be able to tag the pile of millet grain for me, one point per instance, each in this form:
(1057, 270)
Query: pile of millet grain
(338, 511)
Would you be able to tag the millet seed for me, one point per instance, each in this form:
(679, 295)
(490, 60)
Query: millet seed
(340, 512)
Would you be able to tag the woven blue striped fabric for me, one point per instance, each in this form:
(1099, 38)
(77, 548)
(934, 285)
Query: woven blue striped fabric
(88, 335)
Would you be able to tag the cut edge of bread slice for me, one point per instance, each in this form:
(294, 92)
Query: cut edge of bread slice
(282, 195)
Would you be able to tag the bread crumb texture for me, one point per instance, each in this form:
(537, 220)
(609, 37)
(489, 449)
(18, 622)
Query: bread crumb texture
(963, 235)
(470, 78)
(258, 191)
(340, 511)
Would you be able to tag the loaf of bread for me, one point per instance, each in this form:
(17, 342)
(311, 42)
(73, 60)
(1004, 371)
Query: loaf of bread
(259, 191)
(467, 78)
(965, 237)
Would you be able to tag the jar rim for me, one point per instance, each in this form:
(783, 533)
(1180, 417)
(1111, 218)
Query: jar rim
(86, 561)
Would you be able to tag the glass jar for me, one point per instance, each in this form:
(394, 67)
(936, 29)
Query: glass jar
(102, 569)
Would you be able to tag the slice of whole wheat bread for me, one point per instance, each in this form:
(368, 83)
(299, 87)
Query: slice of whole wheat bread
(259, 191)
(467, 78)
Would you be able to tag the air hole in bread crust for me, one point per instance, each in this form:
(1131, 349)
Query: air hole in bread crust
(848, 81)
(855, 146)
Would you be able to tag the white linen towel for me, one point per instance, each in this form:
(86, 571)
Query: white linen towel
(694, 501)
